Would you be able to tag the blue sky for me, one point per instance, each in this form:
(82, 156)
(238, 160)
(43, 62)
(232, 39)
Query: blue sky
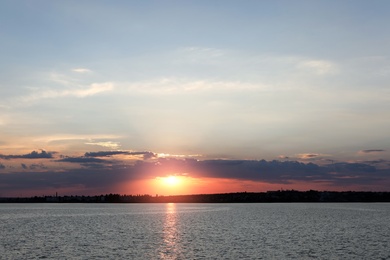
(276, 80)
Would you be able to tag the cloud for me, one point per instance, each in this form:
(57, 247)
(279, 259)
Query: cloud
(146, 155)
(371, 151)
(149, 155)
(71, 137)
(184, 156)
(171, 86)
(199, 54)
(2, 166)
(24, 166)
(33, 155)
(93, 89)
(223, 61)
(276, 172)
(319, 67)
(82, 160)
(37, 166)
(266, 171)
(380, 161)
(98, 175)
(104, 153)
(353, 167)
(81, 70)
(79, 92)
(108, 144)
(306, 156)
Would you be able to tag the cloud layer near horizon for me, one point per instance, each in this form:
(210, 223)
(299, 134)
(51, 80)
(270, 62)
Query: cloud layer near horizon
(103, 171)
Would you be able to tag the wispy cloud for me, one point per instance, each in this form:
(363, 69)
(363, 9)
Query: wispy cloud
(146, 155)
(320, 67)
(171, 86)
(168, 155)
(199, 54)
(82, 70)
(80, 92)
(60, 85)
(63, 80)
(108, 144)
(305, 156)
(70, 137)
(371, 151)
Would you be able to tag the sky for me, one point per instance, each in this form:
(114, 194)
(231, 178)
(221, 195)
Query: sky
(189, 97)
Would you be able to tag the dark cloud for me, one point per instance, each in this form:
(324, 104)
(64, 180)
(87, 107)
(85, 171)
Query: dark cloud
(104, 153)
(149, 155)
(267, 171)
(82, 160)
(2, 166)
(98, 166)
(98, 175)
(329, 160)
(372, 151)
(24, 166)
(346, 168)
(311, 155)
(37, 166)
(33, 155)
(146, 155)
(376, 161)
(282, 172)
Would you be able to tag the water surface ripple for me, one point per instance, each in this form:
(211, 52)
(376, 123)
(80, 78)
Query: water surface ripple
(195, 231)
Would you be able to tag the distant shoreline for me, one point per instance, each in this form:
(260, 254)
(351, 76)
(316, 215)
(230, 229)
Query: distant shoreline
(238, 197)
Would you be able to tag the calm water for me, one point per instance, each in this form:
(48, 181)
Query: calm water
(195, 231)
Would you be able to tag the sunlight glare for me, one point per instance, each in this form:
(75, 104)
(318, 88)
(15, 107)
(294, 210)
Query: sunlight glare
(171, 180)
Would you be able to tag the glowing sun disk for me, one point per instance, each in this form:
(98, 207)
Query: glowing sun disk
(171, 180)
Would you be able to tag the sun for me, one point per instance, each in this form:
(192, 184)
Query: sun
(171, 180)
(171, 184)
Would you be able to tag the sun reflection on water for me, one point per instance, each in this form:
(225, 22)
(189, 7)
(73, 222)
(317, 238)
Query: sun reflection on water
(170, 248)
